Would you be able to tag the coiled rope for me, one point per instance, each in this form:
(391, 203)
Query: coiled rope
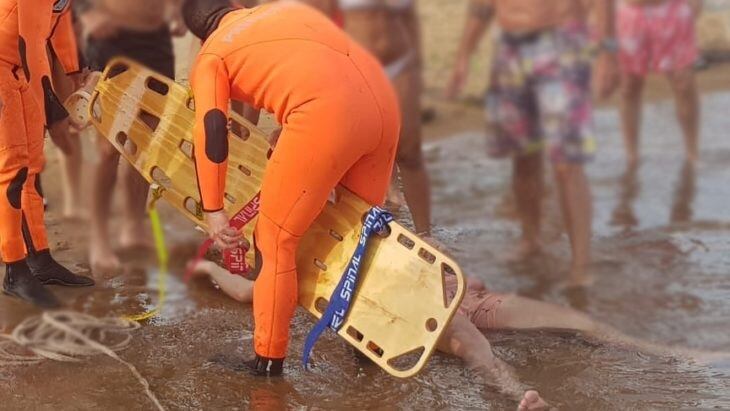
(71, 336)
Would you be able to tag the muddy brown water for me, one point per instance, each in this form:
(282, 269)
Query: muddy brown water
(662, 262)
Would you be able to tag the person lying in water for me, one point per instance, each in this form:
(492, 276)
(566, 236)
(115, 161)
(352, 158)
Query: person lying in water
(482, 310)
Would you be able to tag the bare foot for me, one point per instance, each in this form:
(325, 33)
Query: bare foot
(523, 251)
(102, 259)
(135, 235)
(532, 401)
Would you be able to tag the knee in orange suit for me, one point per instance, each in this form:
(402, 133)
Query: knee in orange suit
(276, 289)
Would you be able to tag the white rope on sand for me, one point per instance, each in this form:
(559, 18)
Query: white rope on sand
(69, 336)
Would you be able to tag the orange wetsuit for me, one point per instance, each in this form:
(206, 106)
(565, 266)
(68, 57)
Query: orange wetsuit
(28, 102)
(340, 122)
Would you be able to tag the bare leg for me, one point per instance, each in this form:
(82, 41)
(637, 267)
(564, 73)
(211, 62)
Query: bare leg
(134, 232)
(101, 255)
(527, 185)
(519, 313)
(465, 341)
(412, 167)
(72, 160)
(577, 205)
(70, 153)
(688, 109)
(632, 87)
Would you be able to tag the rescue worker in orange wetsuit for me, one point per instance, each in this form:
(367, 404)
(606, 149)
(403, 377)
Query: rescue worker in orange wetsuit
(340, 120)
(28, 29)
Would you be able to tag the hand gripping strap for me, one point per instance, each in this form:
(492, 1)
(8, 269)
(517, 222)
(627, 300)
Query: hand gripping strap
(234, 259)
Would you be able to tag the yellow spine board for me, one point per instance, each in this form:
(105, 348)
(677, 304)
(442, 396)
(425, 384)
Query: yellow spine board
(401, 308)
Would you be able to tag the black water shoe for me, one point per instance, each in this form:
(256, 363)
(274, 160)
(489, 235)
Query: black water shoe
(21, 283)
(266, 367)
(49, 272)
(258, 367)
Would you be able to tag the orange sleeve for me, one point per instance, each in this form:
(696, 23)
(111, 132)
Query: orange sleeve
(34, 28)
(63, 43)
(211, 90)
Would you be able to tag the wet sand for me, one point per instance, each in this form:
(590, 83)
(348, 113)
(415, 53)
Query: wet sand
(661, 251)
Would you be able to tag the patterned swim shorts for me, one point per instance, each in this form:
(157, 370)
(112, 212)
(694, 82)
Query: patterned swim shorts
(656, 38)
(540, 95)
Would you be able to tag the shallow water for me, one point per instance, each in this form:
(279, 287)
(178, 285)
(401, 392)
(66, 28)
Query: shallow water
(662, 257)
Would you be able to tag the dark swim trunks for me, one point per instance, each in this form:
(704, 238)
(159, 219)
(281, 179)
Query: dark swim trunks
(153, 49)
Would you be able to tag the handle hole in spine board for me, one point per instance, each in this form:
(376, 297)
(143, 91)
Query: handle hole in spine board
(116, 70)
(239, 130)
(321, 305)
(406, 242)
(432, 325)
(193, 207)
(187, 148)
(375, 349)
(407, 361)
(230, 198)
(426, 256)
(319, 264)
(157, 86)
(149, 119)
(129, 146)
(337, 236)
(96, 109)
(121, 138)
(244, 170)
(160, 177)
(354, 333)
